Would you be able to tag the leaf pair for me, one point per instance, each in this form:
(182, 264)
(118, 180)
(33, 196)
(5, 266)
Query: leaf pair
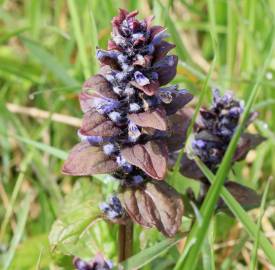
(85, 159)
(155, 205)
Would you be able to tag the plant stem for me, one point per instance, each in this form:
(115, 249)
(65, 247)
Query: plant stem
(125, 238)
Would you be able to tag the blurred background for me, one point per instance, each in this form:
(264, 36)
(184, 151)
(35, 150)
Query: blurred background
(47, 50)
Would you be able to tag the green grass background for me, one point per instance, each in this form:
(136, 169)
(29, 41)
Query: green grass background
(47, 49)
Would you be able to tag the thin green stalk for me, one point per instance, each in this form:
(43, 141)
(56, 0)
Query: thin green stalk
(253, 264)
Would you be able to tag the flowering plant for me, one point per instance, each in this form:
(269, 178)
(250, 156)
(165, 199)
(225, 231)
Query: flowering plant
(133, 126)
(129, 126)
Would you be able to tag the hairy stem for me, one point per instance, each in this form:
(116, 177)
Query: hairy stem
(125, 238)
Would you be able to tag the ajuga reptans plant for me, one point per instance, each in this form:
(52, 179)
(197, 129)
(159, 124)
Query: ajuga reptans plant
(133, 123)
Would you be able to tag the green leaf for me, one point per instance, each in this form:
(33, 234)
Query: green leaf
(78, 229)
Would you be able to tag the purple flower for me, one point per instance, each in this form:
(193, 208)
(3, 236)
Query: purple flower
(113, 208)
(141, 79)
(105, 105)
(133, 131)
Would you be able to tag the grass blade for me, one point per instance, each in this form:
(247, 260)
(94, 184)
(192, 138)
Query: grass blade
(84, 59)
(253, 265)
(22, 219)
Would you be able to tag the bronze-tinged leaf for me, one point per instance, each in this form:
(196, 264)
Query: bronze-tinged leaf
(113, 46)
(178, 125)
(144, 210)
(129, 202)
(95, 87)
(154, 205)
(105, 70)
(153, 119)
(168, 208)
(162, 49)
(189, 168)
(117, 21)
(150, 157)
(85, 159)
(246, 197)
(166, 69)
(247, 142)
(86, 101)
(96, 124)
(148, 20)
(97, 101)
(100, 85)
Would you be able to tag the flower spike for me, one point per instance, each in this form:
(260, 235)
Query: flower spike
(129, 122)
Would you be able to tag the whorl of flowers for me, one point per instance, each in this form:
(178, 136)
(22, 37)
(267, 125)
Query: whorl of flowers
(212, 136)
(130, 123)
(219, 124)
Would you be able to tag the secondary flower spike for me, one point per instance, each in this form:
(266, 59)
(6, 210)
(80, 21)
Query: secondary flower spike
(130, 123)
(211, 140)
(214, 132)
